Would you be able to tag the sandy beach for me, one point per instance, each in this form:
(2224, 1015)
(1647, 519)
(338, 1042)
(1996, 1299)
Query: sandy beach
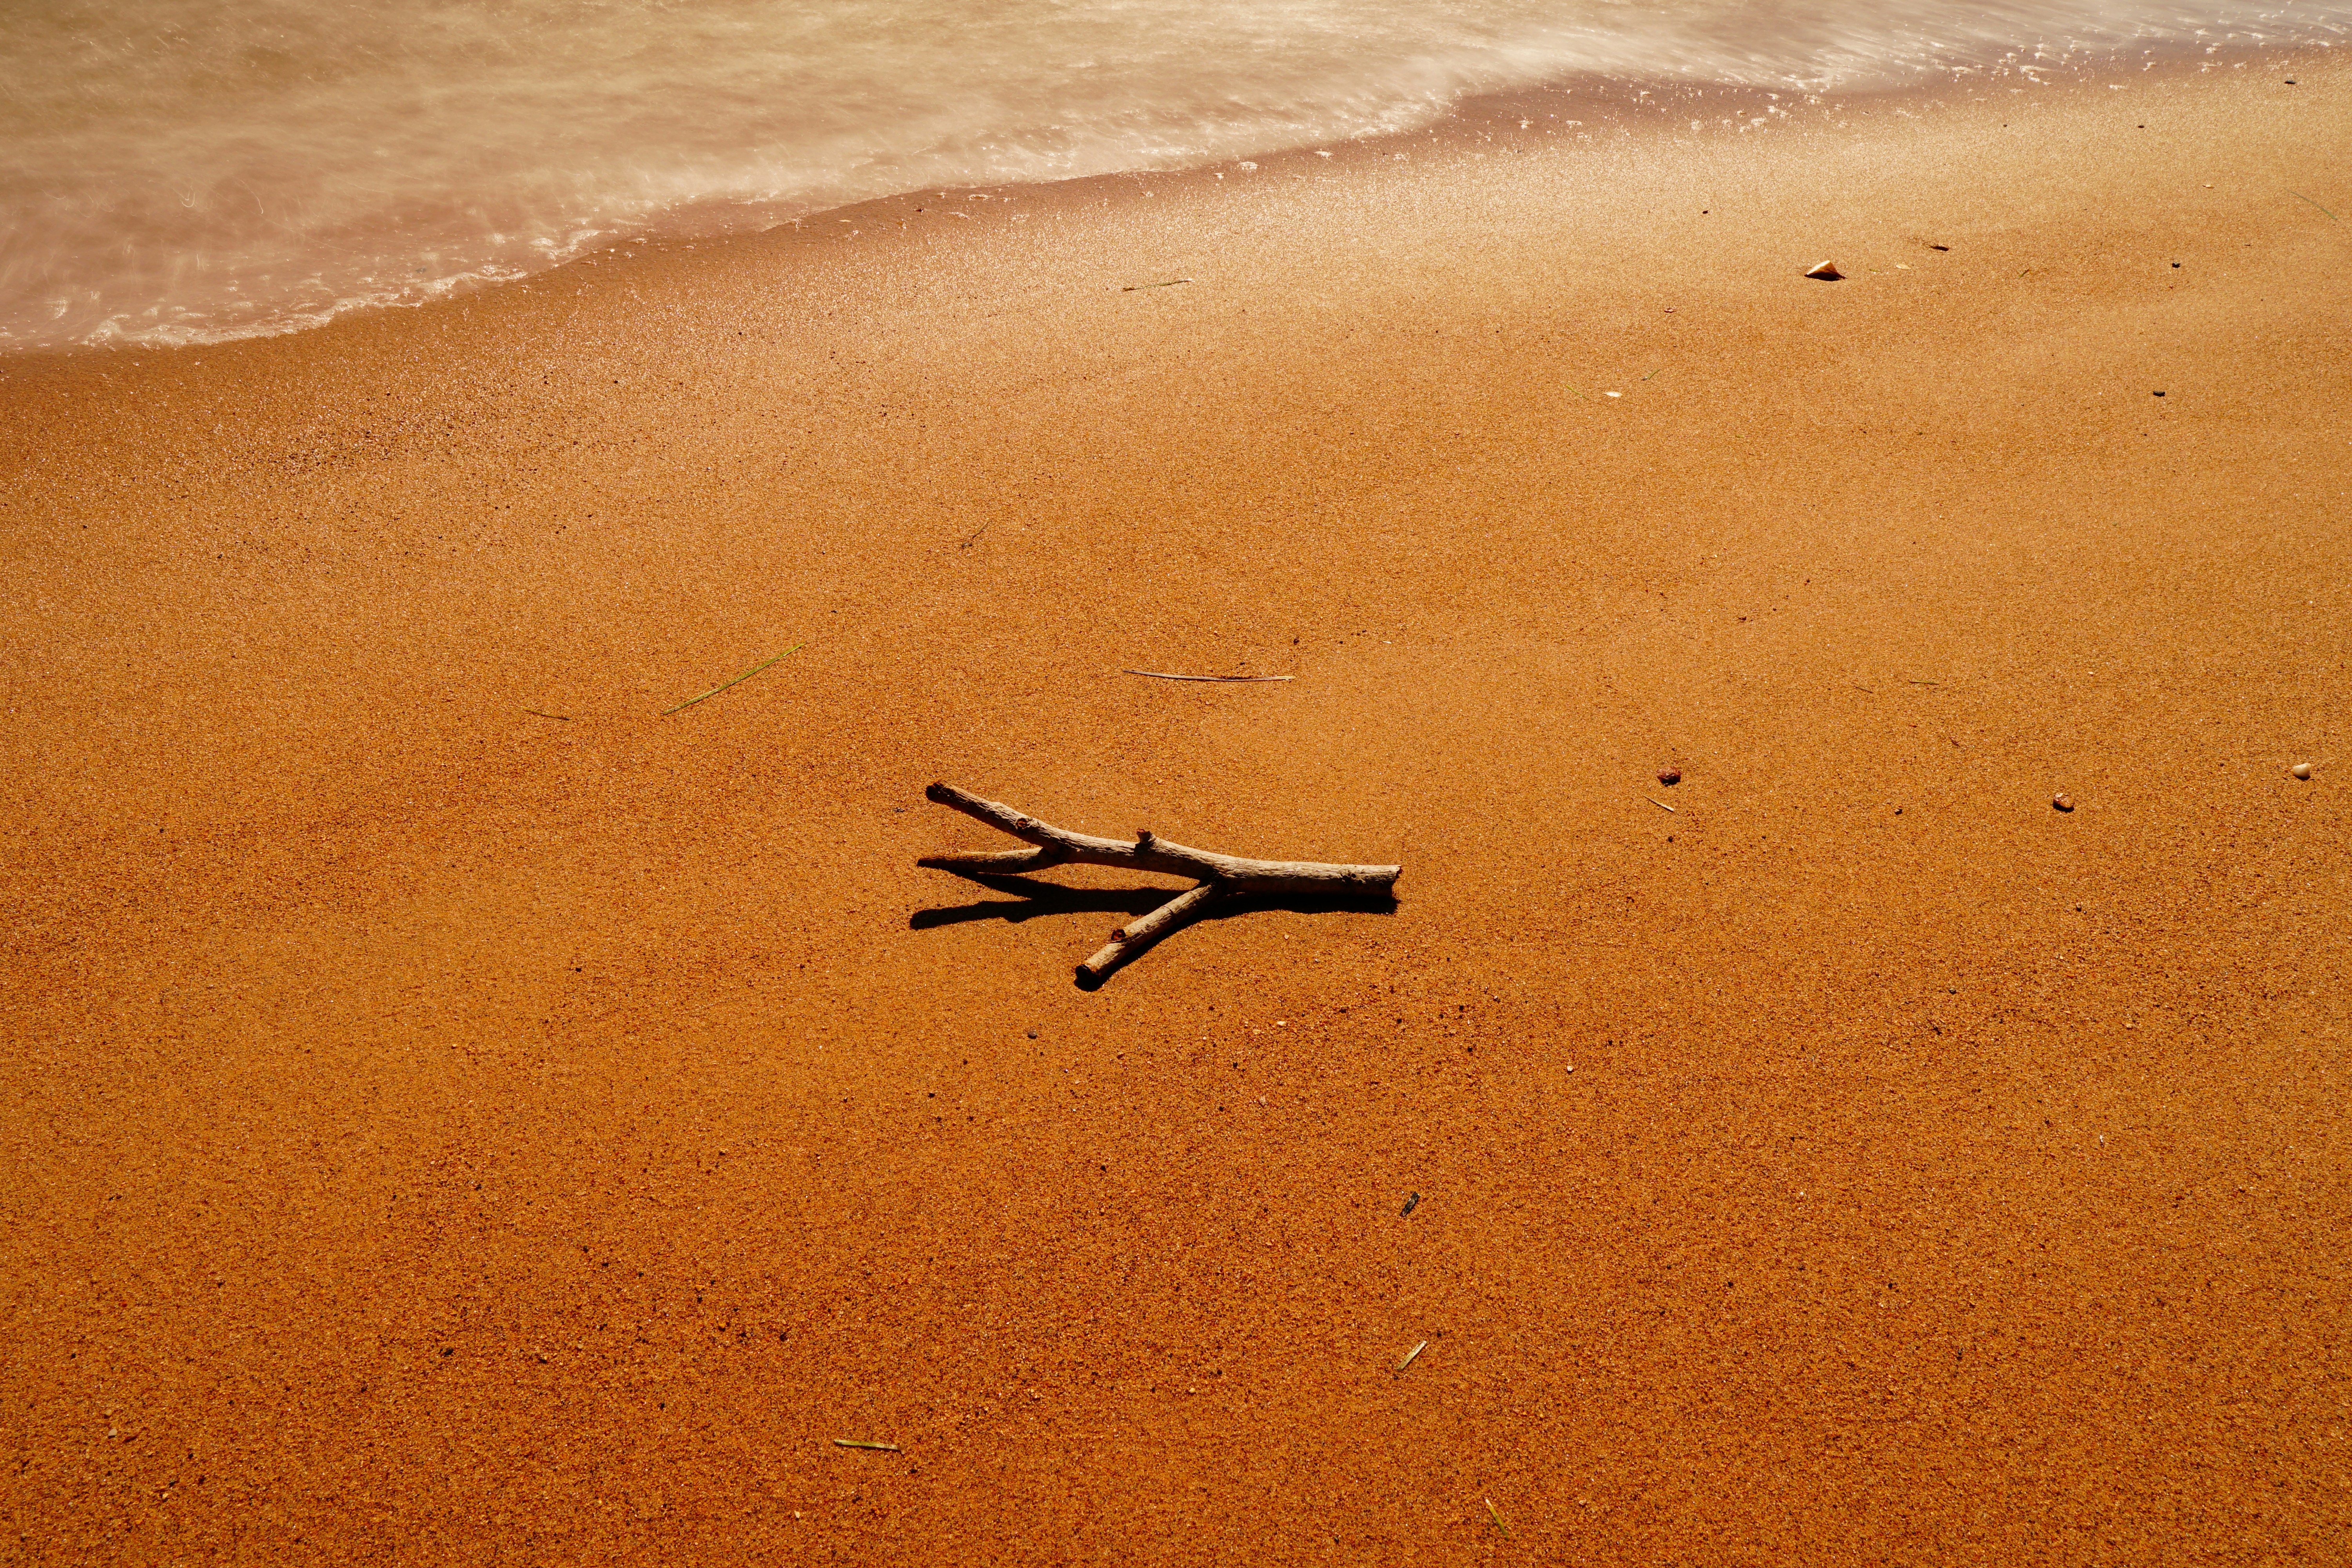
(458, 1111)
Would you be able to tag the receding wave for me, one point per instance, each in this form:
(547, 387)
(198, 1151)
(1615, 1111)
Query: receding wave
(176, 171)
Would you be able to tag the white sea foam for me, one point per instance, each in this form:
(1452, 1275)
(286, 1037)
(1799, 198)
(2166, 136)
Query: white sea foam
(176, 171)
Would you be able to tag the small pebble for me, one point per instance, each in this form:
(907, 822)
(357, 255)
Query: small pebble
(2062, 802)
(1671, 777)
(2301, 770)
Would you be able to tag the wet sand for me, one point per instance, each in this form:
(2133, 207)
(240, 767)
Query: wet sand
(441, 1131)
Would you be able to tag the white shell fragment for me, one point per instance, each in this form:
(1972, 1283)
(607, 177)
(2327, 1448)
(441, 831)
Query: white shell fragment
(1826, 272)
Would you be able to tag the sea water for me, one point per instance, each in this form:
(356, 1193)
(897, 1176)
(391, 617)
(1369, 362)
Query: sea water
(181, 171)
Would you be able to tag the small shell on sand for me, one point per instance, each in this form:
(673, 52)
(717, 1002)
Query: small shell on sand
(2062, 802)
(1827, 272)
(2301, 770)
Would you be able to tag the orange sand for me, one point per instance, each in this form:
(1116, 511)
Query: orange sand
(437, 1133)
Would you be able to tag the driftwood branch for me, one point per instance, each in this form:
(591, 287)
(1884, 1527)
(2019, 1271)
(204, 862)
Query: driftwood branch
(1058, 846)
(1219, 875)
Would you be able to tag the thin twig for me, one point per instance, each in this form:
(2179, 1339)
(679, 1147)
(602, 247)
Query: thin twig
(542, 713)
(1170, 283)
(737, 681)
(861, 1443)
(1144, 930)
(1661, 805)
(976, 532)
(1162, 675)
(1411, 1353)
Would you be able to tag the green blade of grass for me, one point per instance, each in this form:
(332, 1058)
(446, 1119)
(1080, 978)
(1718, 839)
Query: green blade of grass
(2298, 195)
(737, 681)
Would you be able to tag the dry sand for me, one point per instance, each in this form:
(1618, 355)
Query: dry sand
(440, 1132)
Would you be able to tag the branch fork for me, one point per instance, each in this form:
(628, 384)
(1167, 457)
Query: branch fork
(1219, 877)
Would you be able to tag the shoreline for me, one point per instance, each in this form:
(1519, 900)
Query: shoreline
(467, 1106)
(1521, 119)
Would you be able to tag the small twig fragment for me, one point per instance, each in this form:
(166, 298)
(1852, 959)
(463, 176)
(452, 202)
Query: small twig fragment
(1137, 288)
(1411, 1204)
(1163, 674)
(1497, 1518)
(737, 681)
(861, 1443)
(542, 713)
(1661, 805)
(1412, 1353)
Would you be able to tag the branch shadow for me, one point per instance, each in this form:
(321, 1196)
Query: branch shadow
(1033, 899)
